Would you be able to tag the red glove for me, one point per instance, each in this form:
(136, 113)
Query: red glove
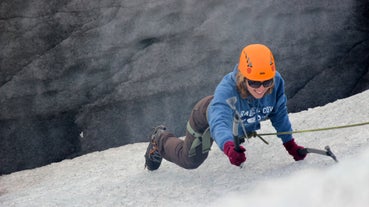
(293, 148)
(236, 158)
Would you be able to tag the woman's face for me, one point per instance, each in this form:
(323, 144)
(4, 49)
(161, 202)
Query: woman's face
(259, 90)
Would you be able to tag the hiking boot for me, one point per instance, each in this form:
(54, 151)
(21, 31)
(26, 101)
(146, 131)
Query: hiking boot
(152, 156)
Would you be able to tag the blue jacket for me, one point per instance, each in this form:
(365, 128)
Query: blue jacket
(272, 106)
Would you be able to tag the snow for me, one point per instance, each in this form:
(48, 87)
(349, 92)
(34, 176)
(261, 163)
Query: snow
(270, 177)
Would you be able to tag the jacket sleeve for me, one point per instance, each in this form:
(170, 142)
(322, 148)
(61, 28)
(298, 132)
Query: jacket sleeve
(279, 115)
(220, 116)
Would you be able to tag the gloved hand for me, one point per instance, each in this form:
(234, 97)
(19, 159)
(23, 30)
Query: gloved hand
(236, 158)
(293, 148)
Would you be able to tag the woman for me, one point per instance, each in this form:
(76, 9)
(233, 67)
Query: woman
(259, 90)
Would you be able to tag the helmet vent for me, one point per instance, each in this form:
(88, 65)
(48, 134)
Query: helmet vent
(249, 63)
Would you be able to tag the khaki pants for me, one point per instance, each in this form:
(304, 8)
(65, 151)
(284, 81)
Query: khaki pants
(177, 150)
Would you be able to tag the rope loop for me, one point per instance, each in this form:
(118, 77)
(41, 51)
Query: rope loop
(314, 130)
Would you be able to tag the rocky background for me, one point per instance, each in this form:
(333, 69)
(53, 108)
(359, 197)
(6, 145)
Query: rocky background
(78, 76)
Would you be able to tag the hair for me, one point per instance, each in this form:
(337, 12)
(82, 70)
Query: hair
(242, 88)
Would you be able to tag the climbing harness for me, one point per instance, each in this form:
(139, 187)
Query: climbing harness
(203, 139)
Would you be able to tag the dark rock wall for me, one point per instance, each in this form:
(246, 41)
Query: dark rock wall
(79, 76)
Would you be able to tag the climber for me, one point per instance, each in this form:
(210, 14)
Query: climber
(259, 90)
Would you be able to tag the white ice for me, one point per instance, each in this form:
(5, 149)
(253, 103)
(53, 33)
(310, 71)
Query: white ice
(270, 177)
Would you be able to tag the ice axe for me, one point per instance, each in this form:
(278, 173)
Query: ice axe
(236, 120)
(326, 152)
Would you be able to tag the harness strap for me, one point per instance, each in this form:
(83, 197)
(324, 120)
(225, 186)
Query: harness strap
(203, 139)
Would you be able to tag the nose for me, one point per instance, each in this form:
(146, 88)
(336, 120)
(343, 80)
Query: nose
(262, 87)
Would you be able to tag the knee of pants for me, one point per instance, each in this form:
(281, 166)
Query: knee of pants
(191, 166)
(194, 163)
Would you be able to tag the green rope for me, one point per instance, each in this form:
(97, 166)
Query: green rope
(313, 130)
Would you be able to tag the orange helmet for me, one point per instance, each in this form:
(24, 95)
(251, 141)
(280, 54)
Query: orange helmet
(257, 63)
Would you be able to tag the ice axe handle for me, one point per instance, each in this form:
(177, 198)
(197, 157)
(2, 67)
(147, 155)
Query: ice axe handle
(327, 152)
(236, 140)
(302, 152)
(237, 147)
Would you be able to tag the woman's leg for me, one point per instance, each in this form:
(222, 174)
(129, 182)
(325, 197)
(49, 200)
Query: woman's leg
(177, 150)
